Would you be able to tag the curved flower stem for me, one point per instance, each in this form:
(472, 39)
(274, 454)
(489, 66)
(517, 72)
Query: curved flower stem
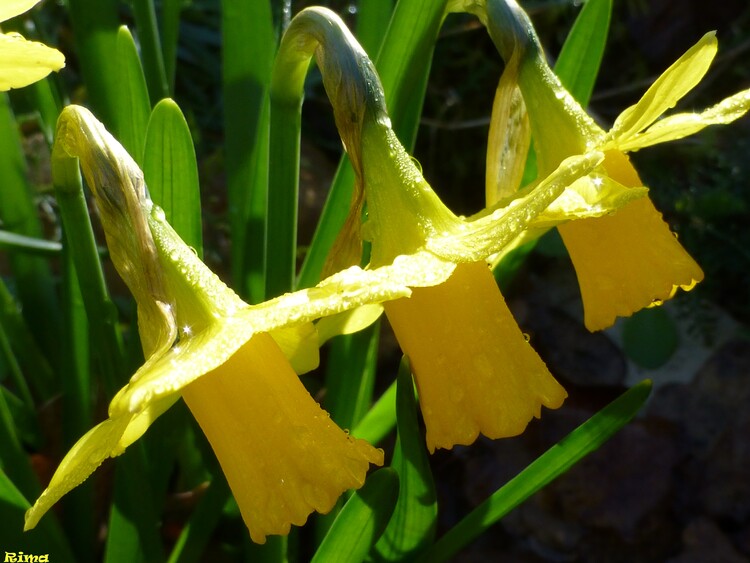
(354, 89)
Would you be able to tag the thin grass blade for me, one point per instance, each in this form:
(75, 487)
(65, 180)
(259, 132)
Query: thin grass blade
(581, 55)
(133, 106)
(373, 17)
(413, 523)
(361, 521)
(380, 419)
(170, 33)
(35, 286)
(95, 26)
(249, 45)
(46, 538)
(153, 60)
(554, 462)
(24, 347)
(197, 532)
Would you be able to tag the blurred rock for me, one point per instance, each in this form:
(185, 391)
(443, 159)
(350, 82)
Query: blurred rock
(704, 541)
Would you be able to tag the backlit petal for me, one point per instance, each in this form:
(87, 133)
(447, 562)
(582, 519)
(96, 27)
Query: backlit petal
(684, 124)
(281, 453)
(475, 371)
(12, 8)
(24, 62)
(668, 89)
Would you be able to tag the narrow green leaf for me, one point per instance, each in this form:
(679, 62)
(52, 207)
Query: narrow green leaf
(380, 419)
(95, 27)
(133, 106)
(23, 346)
(248, 49)
(29, 245)
(13, 458)
(153, 61)
(45, 539)
(197, 532)
(171, 172)
(412, 527)
(350, 379)
(16, 375)
(46, 100)
(360, 523)
(18, 214)
(350, 375)
(404, 62)
(170, 33)
(373, 17)
(77, 405)
(282, 197)
(581, 54)
(554, 462)
(133, 524)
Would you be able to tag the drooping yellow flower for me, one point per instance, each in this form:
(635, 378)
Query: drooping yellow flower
(23, 62)
(629, 259)
(474, 369)
(281, 453)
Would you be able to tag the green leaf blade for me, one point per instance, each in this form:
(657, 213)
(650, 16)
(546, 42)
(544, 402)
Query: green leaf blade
(361, 521)
(554, 462)
(171, 172)
(413, 523)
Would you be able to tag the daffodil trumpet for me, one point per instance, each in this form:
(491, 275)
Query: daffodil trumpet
(281, 453)
(23, 62)
(474, 369)
(628, 259)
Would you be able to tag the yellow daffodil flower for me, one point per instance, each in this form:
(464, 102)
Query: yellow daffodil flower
(23, 62)
(281, 453)
(474, 369)
(629, 259)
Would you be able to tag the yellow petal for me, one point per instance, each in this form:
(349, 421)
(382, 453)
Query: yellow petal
(12, 8)
(107, 439)
(477, 239)
(348, 322)
(282, 455)
(300, 345)
(24, 62)
(591, 196)
(509, 137)
(98, 444)
(475, 371)
(663, 94)
(684, 124)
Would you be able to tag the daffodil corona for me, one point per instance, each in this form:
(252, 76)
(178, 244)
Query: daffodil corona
(474, 370)
(281, 453)
(628, 259)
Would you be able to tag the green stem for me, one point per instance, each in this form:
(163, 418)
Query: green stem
(354, 89)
